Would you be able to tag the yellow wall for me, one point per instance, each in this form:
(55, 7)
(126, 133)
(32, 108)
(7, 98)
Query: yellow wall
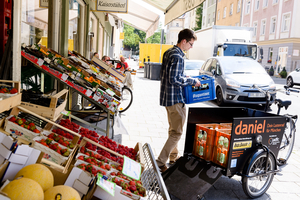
(44, 42)
(229, 20)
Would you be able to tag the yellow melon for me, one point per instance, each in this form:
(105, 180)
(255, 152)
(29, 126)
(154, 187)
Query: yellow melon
(24, 189)
(38, 172)
(61, 192)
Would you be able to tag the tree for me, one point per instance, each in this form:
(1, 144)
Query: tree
(131, 38)
(199, 11)
(155, 38)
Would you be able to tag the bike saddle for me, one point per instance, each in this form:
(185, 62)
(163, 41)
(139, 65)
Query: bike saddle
(285, 104)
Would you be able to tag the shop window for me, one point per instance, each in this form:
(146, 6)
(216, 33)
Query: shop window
(270, 55)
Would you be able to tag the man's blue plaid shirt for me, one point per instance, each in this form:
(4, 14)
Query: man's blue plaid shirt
(172, 77)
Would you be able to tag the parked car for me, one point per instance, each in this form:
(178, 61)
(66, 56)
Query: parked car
(234, 78)
(293, 78)
(192, 67)
(135, 57)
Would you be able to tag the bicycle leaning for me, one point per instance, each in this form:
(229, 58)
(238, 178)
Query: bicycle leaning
(288, 138)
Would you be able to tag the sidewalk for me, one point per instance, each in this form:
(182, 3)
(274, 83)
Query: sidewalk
(146, 122)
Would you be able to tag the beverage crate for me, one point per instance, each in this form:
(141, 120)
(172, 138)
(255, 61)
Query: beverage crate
(52, 112)
(205, 92)
(221, 147)
(205, 139)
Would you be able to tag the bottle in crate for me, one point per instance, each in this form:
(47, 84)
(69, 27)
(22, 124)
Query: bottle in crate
(221, 147)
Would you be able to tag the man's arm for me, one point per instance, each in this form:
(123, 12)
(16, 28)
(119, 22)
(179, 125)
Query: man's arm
(176, 76)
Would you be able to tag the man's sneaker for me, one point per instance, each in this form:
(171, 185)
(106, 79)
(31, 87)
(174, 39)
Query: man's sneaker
(173, 161)
(163, 168)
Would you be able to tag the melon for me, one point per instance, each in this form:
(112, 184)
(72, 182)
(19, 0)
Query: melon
(24, 189)
(61, 192)
(38, 172)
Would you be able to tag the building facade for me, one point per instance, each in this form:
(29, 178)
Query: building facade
(209, 13)
(276, 31)
(173, 29)
(229, 12)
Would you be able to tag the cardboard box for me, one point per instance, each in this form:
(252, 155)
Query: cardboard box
(9, 142)
(79, 180)
(4, 151)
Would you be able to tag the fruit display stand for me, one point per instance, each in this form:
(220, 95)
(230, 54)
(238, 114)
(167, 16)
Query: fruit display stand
(46, 150)
(9, 101)
(53, 111)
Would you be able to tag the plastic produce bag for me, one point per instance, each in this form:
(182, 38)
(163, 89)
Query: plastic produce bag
(119, 127)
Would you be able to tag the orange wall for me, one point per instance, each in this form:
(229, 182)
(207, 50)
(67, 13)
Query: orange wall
(229, 20)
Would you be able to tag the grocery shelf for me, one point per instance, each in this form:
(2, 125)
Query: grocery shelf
(86, 93)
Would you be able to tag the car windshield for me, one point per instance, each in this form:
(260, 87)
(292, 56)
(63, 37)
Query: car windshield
(193, 65)
(243, 50)
(246, 66)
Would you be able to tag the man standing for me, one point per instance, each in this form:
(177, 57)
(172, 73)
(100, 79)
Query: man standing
(171, 96)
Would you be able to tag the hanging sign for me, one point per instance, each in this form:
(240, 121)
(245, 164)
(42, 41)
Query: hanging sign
(119, 6)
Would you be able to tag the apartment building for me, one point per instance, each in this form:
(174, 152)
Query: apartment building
(229, 12)
(173, 29)
(275, 30)
(209, 13)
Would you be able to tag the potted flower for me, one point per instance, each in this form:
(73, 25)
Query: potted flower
(269, 61)
(283, 73)
(271, 71)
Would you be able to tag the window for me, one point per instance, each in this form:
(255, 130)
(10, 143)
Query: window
(248, 7)
(203, 20)
(270, 55)
(208, 20)
(273, 25)
(231, 9)
(239, 6)
(218, 14)
(256, 4)
(263, 27)
(224, 12)
(237, 24)
(275, 1)
(286, 22)
(177, 24)
(255, 28)
(213, 18)
(265, 3)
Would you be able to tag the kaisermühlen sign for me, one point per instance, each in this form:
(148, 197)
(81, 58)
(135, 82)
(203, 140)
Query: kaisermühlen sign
(119, 6)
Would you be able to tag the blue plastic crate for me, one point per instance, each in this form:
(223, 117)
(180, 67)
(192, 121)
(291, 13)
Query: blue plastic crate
(206, 92)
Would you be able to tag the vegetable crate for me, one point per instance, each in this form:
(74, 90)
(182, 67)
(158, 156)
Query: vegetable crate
(8, 100)
(52, 112)
(205, 92)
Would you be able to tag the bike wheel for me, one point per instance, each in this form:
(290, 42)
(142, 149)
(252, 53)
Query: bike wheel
(256, 186)
(287, 143)
(126, 99)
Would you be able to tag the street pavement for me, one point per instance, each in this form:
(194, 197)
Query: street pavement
(146, 122)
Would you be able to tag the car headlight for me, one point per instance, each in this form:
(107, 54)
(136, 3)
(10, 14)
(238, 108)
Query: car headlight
(232, 83)
(272, 85)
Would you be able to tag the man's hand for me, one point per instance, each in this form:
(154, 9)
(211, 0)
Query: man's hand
(198, 84)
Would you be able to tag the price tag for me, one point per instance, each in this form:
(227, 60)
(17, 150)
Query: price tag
(40, 62)
(110, 92)
(96, 97)
(66, 113)
(106, 185)
(64, 77)
(132, 168)
(88, 93)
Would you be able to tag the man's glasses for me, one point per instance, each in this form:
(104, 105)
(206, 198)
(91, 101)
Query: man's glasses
(191, 44)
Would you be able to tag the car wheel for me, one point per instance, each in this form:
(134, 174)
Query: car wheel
(220, 100)
(289, 82)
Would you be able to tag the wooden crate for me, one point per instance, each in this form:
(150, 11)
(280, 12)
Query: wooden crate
(13, 101)
(50, 112)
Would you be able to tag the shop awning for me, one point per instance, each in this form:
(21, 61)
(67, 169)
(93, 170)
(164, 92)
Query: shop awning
(139, 17)
(174, 8)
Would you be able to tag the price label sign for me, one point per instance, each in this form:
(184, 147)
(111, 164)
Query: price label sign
(66, 113)
(88, 93)
(40, 62)
(132, 168)
(64, 77)
(96, 97)
(106, 185)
